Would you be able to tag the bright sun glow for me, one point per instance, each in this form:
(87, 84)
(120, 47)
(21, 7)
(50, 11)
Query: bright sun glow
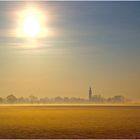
(31, 26)
(31, 23)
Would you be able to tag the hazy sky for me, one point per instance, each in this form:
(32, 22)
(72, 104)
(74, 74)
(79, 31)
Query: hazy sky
(90, 43)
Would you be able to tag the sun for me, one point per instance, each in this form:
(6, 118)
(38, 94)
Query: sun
(31, 23)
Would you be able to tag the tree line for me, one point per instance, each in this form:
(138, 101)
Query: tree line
(12, 99)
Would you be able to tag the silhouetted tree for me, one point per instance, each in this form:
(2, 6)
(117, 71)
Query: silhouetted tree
(118, 99)
(44, 100)
(98, 99)
(11, 99)
(1, 100)
(21, 100)
(58, 99)
(33, 99)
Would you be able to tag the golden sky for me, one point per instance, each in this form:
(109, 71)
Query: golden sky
(61, 48)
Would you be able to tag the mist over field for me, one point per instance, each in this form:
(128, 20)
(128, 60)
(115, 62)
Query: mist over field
(63, 121)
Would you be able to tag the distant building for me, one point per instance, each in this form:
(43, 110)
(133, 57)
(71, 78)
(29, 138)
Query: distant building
(90, 94)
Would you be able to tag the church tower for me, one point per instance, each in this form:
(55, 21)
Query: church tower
(90, 94)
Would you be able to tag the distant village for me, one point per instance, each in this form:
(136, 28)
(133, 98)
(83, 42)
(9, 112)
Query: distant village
(92, 98)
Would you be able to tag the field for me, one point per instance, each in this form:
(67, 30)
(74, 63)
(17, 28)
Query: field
(67, 121)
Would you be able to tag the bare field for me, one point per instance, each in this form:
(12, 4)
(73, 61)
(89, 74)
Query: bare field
(66, 121)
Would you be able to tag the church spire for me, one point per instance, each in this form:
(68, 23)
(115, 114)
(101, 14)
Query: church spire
(90, 93)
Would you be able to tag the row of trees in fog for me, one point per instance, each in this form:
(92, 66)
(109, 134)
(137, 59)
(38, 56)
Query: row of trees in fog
(33, 99)
(114, 99)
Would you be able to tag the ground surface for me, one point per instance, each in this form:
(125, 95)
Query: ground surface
(70, 122)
